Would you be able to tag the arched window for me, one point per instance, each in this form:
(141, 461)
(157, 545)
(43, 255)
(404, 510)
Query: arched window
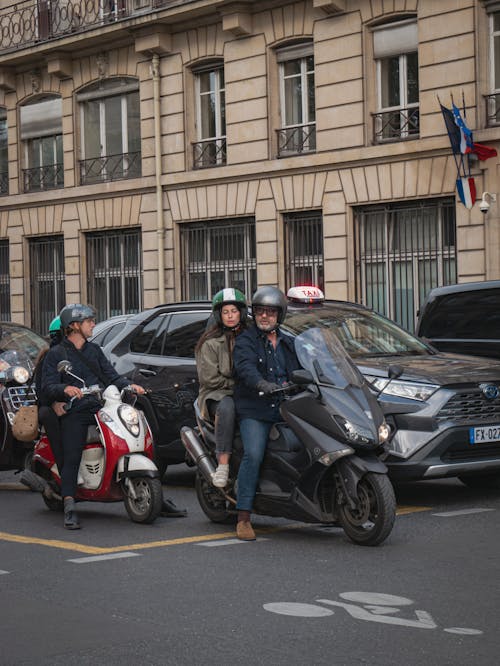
(210, 147)
(41, 135)
(110, 130)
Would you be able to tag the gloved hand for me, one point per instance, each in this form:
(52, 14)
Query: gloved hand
(266, 387)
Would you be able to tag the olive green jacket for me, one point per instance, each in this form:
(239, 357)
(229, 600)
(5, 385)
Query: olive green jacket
(215, 372)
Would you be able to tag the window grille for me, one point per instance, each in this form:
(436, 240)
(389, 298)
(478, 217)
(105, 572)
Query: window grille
(402, 251)
(114, 270)
(4, 281)
(304, 249)
(217, 255)
(47, 280)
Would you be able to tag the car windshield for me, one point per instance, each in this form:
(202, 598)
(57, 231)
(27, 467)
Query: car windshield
(19, 338)
(320, 351)
(363, 333)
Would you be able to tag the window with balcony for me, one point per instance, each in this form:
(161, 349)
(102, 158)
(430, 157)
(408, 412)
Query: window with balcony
(218, 254)
(297, 133)
(4, 159)
(47, 286)
(209, 149)
(114, 269)
(41, 136)
(304, 249)
(110, 131)
(396, 57)
(493, 99)
(4, 281)
(402, 251)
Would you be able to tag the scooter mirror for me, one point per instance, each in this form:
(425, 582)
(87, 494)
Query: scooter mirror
(64, 366)
(302, 377)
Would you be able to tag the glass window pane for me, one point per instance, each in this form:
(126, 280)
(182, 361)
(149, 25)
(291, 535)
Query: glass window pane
(207, 111)
(113, 115)
(293, 101)
(390, 82)
(91, 129)
(133, 123)
(412, 77)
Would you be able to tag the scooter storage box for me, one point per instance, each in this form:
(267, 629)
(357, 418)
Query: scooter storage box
(92, 466)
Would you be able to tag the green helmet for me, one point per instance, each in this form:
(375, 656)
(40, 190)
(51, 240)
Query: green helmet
(229, 296)
(55, 325)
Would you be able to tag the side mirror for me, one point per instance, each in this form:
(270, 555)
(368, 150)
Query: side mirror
(395, 371)
(302, 377)
(64, 366)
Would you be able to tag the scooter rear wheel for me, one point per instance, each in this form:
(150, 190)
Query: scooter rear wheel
(370, 522)
(146, 506)
(213, 504)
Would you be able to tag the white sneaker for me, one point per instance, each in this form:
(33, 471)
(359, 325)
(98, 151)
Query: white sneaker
(220, 476)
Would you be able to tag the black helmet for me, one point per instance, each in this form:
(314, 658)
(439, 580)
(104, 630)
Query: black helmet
(271, 297)
(229, 296)
(75, 312)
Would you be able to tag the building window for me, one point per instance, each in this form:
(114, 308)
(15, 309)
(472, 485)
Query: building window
(396, 56)
(114, 269)
(210, 148)
(304, 249)
(4, 159)
(41, 134)
(47, 280)
(402, 251)
(217, 255)
(297, 102)
(493, 99)
(110, 131)
(4, 281)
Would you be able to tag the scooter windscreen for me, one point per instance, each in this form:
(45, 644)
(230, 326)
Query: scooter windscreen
(11, 361)
(320, 351)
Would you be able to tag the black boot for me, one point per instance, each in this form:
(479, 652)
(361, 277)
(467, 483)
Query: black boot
(70, 517)
(170, 510)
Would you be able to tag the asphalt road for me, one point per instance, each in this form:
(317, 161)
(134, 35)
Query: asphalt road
(184, 591)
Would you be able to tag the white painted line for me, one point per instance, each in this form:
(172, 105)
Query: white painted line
(463, 512)
(226, 542)
(3, 572)
(99, 558)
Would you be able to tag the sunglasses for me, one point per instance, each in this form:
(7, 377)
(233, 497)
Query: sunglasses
(260, 310)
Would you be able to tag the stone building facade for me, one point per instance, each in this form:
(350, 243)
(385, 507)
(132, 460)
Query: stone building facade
(156, 150)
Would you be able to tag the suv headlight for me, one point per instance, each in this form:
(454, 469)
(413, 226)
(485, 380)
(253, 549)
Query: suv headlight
(129, 416)
(404, 389)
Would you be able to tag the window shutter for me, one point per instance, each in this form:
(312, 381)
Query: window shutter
(395, 39)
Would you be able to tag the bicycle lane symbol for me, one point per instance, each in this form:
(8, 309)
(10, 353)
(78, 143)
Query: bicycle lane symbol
(374, 607)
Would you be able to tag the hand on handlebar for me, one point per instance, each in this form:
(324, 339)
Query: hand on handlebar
(73, 392)
(266, 388)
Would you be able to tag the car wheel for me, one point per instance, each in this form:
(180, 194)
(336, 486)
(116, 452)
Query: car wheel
(478, 481)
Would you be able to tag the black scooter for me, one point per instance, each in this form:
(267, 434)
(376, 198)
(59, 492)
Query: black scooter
(16, 390)
(321, 463)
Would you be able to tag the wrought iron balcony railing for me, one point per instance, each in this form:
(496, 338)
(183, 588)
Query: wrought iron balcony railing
(209, 153)
(31, 21)
(48, 177)
(296, 140)
(492, 109)
(396, 125)
(4, 182)
(110, 167)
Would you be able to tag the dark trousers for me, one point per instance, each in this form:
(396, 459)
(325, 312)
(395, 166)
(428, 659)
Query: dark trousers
(50, 421)
(74, 426)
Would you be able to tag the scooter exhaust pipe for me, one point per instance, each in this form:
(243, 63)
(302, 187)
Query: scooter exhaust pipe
(197, 452)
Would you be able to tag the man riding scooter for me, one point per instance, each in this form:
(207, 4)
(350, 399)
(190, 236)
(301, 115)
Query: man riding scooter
(90, 364)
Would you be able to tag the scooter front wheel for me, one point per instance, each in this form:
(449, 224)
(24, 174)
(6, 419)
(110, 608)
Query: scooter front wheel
(370, 522)
(144, 501)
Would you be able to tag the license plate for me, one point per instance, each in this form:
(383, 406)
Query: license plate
(484, 434)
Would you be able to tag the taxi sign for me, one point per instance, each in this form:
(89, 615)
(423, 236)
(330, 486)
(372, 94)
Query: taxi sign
(305, 294)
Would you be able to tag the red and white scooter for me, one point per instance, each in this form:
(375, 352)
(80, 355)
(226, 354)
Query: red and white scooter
(117, 460)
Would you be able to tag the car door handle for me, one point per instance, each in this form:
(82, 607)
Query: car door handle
(147, 373)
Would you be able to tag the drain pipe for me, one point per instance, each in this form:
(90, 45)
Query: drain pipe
(160, 223)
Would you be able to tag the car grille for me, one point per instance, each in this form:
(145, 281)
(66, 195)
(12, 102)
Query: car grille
(470, 407)
(460, 453)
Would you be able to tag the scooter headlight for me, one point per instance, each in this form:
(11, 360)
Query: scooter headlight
(20, 375)
(384, 431)
(129, 416)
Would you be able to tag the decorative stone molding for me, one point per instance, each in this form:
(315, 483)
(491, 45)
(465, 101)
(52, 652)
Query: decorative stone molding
(60, 65)
(155, 39)
(102, 64)
(35, 80)
(330, 6)
(7, 79)
(491, 5)
(237, 19)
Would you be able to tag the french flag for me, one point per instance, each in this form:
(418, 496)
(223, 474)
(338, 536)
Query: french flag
(466, 189)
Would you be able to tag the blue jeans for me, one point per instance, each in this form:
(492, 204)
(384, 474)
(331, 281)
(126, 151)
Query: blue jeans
(254, 435)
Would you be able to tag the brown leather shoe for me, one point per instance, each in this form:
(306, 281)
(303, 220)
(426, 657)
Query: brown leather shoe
(244, 531)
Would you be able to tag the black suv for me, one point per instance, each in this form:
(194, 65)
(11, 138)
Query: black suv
(463, 318)
(444, 409)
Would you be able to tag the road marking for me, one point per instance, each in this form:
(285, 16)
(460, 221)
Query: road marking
(227, 542)
(462, 512)
(13, 486)
(98, 550)
(3, 572)
(99, 558)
